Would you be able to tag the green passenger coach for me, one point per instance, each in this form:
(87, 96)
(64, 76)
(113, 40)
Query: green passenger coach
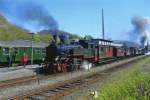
(13, 51)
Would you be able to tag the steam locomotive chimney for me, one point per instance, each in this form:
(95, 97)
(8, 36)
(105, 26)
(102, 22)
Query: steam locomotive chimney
(55, 38)
(103, 29)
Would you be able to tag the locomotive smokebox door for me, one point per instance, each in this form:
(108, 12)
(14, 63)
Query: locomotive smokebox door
(51, 52)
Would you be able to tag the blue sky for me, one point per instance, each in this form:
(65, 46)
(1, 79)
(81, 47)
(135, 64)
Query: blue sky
(83, 17)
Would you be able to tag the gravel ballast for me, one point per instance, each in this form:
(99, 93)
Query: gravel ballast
(56, 79)
(16, 74)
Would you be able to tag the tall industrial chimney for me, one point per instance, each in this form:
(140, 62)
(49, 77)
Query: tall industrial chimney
(103, 27)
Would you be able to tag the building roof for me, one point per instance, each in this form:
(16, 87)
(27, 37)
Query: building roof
(117, 44)
(23, 43)
(102, 40)
(128, 44)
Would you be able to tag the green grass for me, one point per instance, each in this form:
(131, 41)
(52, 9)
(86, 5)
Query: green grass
(131, 84)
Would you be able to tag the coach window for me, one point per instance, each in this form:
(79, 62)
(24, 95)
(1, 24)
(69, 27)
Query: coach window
(15, 50)
(91, 45)
(102, 49)
(37, 50)
(5, 51)
(24, 49)
(43, 51)
(109, 49)
(100, 42)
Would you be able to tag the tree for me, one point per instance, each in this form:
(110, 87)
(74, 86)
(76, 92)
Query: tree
(36, 37)
(46, 37)
(74, 36)
(88, 37)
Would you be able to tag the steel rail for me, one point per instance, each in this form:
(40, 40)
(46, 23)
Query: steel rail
(17, 81)
(54, 92)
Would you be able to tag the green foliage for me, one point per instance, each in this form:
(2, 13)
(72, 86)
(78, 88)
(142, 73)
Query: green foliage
(46, 37)
(36, 37)
(88, 37)
(74, 36)
(133, 84)
(10, 32)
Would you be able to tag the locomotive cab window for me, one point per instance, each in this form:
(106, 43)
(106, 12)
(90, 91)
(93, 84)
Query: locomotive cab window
(5, 51)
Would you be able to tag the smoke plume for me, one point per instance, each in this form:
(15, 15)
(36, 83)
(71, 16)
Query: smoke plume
(29, 14)
(140, 31)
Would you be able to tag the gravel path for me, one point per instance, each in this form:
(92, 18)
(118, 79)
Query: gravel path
(9, 69)
(9, 73)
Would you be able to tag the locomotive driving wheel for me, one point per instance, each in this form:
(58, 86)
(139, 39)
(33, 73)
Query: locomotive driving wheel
(64, 67)
(59, 67)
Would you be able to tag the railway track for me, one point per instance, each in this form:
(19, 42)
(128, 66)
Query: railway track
(25, 80)
(54, 92)
(17, 81)
(58, 90)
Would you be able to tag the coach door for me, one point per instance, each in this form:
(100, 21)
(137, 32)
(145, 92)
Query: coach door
(96, 54)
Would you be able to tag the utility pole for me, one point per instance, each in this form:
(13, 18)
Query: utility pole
(32, 50)
(103, 27)
(32, 34)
